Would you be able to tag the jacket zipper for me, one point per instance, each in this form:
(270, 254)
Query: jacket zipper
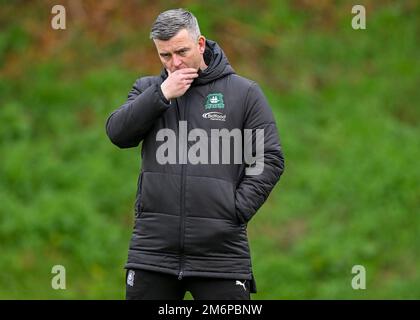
(182, 224)
(182, 215)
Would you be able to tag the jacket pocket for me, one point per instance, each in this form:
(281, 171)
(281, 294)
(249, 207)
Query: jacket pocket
(138, 208)
(240, 221)
(238, 216)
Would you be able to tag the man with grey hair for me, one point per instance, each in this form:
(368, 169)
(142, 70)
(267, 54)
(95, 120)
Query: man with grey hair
(190, 229)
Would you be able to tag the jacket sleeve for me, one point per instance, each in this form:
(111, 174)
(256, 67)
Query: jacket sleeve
(127, 126)
(253, 190)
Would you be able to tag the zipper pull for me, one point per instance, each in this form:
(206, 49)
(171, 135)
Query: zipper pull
(180, 275)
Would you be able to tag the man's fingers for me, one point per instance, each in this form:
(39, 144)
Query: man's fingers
(188, 80)
(189, 76)
(188, 73)
(188, 70)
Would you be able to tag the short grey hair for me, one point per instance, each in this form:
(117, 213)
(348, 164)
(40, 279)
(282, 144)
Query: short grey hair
(170, 22)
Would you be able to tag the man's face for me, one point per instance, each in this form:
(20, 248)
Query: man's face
(181, 51)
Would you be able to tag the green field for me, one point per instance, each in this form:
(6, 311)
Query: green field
(346, 103)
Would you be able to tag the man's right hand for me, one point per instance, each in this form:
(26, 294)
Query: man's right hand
(178, 82)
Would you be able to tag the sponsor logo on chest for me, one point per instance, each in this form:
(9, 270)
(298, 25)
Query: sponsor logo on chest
(214, 101)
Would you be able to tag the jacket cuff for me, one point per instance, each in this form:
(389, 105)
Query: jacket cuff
(162, 96)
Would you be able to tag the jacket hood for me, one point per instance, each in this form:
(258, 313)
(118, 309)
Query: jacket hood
(218, 65)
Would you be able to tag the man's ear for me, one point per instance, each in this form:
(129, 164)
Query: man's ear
(202, 44)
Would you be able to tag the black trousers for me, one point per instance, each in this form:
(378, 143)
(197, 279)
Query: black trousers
(150, 285)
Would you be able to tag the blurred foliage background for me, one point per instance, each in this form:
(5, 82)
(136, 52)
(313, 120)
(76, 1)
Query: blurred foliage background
(346, 103)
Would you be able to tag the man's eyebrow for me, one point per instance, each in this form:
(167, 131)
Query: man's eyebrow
(183, 49)
(164, 53)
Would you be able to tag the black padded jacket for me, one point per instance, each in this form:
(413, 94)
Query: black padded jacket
(191, 218)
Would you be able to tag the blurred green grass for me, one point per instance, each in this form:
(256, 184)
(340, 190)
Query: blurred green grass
(345, 101)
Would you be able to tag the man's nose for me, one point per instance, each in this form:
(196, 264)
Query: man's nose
(176, 60)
